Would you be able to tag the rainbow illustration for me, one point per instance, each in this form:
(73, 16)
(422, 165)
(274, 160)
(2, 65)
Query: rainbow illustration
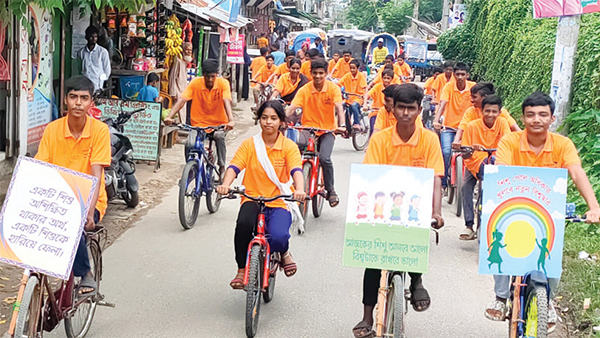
(522, 208)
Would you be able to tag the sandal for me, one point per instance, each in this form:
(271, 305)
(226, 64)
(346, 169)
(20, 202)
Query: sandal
(496, 311)
(419, 295)
(87, 282)
(333, 199)
(467, 235)
(238, 282)
(363, 330)
(289, 269)
(552, 317)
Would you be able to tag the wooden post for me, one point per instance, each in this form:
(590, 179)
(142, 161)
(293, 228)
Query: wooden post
(567, 35)
(415, 28)
(445, 11)
(234, 86)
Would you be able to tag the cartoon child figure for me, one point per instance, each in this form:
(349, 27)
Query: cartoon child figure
(494, 249)
(379, 202)
(543, 253)
(413, 208)
(361, 210)
(396, 207)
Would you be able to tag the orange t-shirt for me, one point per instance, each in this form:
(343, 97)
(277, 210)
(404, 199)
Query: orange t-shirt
(384, 119)
(341, 68)
(264, 73)
(305, 69)
(438, 86)
(458, 103)
(262, 42)
(422, 150)
(477, 132)
(428, 86)
(331, 65)
(282, 69)
(285, 85)
(403, 70)
(285, 159)
(355, 85)
(257, 64)
(473, 114)
(208, 107)
(558, 152)
(59, 147)
(378, 78)
(376, 93)
(318, 108)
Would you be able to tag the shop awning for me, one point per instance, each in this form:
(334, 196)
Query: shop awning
(294, 20)
(213, 13)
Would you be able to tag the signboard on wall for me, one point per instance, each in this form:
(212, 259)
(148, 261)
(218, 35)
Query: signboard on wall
(35, 57)
(235, 50)
(552, 8)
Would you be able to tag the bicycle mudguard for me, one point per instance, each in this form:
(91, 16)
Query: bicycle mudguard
(132, 182)
(536, 278)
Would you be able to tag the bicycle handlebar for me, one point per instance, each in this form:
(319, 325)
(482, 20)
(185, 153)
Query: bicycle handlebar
(312, 129)
(260, 199)
(188, 127)
(471, 149)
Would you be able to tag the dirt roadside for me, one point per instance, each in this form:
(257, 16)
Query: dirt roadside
(119, 218)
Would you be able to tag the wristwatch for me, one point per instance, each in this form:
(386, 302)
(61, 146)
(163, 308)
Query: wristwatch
(343, 126)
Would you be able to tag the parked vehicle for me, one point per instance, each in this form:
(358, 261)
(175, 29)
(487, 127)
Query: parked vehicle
(353, 40)
(120, 176)
(389, 41)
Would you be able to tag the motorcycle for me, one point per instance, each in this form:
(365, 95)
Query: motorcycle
(120, 176)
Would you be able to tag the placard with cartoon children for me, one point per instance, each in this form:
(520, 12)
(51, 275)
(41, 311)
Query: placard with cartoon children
(388, 217)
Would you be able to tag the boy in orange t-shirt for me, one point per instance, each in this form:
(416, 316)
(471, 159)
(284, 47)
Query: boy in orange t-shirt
(282, 68)
(342, 67)
(440, 81)
(385, 116)
(485, 132)
(404, 144)
(456, 99)
(402, 69)
(376, 93)
(311, 55)
(355, 83)
(80, 143)
(536, 146)
(333, 62)
(428, 86)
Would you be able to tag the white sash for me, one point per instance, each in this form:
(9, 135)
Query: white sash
(285, 189)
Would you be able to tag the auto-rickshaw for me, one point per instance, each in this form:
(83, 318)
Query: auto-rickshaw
(353, 40)
(415, 51)
(389, 41)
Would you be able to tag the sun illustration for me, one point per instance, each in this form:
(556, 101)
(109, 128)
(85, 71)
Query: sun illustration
(519, 238)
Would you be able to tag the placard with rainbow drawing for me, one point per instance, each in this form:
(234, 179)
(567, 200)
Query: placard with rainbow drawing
(523, 220)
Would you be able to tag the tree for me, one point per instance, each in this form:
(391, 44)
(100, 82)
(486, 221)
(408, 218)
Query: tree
(430, 10)
(363, 14)
(394, 16)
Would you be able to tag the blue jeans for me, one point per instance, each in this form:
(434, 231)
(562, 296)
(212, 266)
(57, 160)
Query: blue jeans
(469, 183)
(355, 112)
(446, 139)
(81, 263)
(502, 286)
(372, 120)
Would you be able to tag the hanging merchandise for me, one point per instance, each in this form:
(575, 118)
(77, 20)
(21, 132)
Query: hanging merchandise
(4, 69)
(173, 41)
(188, 33)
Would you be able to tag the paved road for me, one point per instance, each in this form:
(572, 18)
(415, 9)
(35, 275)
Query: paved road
(168, 282)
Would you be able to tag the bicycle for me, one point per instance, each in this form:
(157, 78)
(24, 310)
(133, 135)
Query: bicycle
(530, 296)
(261, 263)
(360, 137)
(428, 112)
(393, 300)
(40, 308)
(455, 181)
(200, 176)
(314, 183)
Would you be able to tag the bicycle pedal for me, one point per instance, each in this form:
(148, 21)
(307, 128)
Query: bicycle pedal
(107, 304)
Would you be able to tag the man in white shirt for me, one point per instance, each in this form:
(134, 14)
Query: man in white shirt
(95, 61)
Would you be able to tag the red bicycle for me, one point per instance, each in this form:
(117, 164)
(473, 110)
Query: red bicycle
(261, 263)
(314, 183)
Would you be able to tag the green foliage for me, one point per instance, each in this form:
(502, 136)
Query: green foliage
(506, 46)
(363, 14)
(394, 16)
(430, 10)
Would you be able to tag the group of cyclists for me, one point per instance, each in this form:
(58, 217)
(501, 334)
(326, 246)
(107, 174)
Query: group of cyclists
(467, 114)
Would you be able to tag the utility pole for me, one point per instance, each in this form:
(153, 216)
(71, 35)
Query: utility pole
(567, 35)
(415, 15)
(445, 11)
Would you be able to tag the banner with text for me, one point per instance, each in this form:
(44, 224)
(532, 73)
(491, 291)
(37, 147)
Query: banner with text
(552, 8)
(388, 218)
(143, 130)
(235, 50)
(43, 216)
(523, 220)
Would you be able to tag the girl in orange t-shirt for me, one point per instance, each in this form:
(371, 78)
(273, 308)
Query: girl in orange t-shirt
(284, 157)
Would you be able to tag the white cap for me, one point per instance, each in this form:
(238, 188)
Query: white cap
(380, 40)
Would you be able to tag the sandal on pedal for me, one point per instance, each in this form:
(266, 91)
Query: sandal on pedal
(496, 311)
(87, 282)
(238, 282)
(289, 269)
(552, 317)
(363, 330)
(467, 235)
(419, 296)
(333, 199)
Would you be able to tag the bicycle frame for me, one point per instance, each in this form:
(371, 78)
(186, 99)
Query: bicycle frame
(260, 239)
(311, 155)
(521, 290)
(200, 155)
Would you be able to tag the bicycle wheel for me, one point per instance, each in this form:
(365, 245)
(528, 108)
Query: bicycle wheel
(189, 202)
(253, 290)
(360, 138)
(478, 212)
(213, 201)
(80, 321)
(273, 265)
(394, 317)
(318, 200)
(451, 189)
(27, 326)
(306, 171)
(459, 184)
(536, 313)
